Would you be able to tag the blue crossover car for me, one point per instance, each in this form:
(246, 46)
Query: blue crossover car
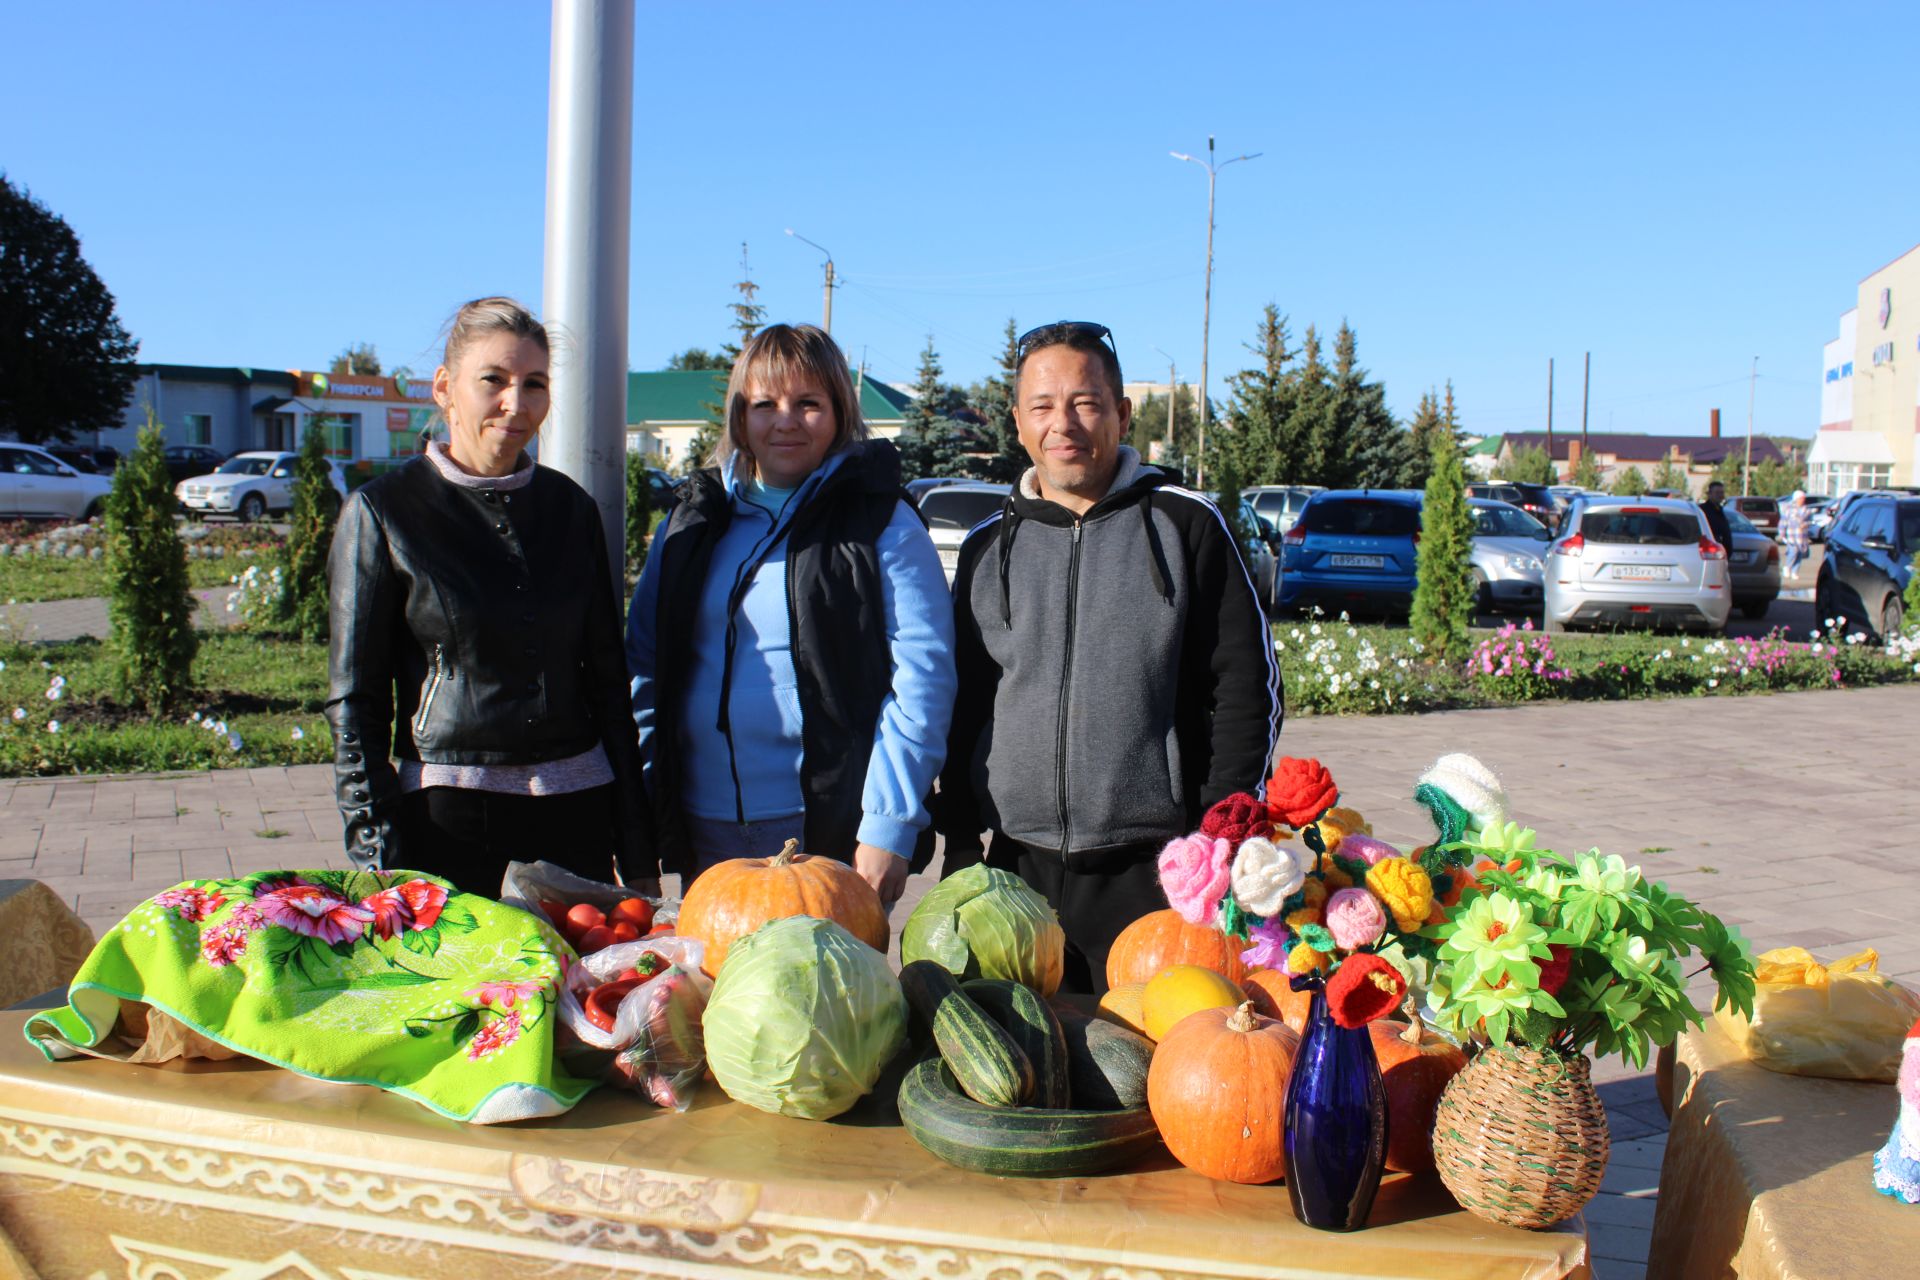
(1352, 549)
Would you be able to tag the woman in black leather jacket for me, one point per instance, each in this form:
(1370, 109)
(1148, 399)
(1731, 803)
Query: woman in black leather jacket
(478, 695)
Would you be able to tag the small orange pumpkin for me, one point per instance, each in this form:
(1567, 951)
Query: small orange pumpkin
(731, 900)
(1218, 1091)
(1274, 997)
(1415, 1065)
(1160, 940)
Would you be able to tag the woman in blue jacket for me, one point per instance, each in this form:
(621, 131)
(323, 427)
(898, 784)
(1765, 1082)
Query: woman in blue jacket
(791, 638)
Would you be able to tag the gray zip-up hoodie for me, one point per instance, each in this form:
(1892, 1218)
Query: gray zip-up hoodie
(1116, 672)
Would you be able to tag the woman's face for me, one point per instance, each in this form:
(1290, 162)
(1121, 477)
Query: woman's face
(494, 400)
(789, 430)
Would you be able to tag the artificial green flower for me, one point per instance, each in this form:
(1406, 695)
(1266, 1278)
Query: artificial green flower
(1546, 882)
(1610, 876)
(1495, 936)
(1504, 841)
(1633, 960)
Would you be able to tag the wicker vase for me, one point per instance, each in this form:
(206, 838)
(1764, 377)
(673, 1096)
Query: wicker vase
(1520, 1136)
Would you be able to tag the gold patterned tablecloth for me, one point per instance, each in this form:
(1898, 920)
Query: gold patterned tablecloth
(1771, 1176)
(203, 1170)
(42, 943)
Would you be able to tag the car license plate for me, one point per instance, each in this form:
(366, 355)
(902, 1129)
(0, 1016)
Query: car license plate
(1357, 562)
(1742, 557)
(1642, 573)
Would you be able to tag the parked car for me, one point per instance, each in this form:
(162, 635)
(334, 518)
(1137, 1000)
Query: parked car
(249, 485)
(1534, 499)
(916, 489)
(1351, 549)
(1763, 512)
(1820, 512)
(35, 485)
(89, 459)
(663, 492)
(1636, 561)
(1868, 564)
(1753, 566)
(951, 510)
(185, 461)
(1507, 543)
(1279, 505)
(1263, 556)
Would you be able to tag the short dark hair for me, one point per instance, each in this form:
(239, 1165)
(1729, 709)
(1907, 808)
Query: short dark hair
(1075, 335)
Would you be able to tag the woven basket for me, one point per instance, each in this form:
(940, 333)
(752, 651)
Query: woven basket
(1520, 1136)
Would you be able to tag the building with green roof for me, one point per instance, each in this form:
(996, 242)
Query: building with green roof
(667, 408)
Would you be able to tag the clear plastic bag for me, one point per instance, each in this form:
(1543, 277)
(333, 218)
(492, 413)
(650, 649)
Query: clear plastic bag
(655, 1047)
(527, 884)
(1844, 1020)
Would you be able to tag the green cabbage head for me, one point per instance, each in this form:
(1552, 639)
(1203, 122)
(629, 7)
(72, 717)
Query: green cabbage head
(986, 923)
(803, 1018)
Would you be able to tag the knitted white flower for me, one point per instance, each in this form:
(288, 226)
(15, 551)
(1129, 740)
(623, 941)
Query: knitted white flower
(1265, 875)
(1472, 786)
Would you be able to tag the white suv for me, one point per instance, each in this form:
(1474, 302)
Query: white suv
(249, 485)
(1627, 561)
(952, 509)
(38, 486)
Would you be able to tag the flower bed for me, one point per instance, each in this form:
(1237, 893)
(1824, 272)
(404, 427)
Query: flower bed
(39, 562)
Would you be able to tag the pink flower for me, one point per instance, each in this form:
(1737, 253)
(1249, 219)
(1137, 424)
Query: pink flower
(494, 1036)
(222, 946)
(248, 917)
(1195, 872)
(425, 899)
(506, 993)
(311, 911)
(1355, 919)
(1269, 949)
(1365, 849)
(391, 915)
(190, 903)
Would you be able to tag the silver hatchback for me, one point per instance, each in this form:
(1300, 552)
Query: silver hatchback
(1636, 562)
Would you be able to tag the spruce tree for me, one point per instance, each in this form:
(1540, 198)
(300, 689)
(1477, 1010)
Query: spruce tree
(1586, 472)
(304, 602)
(1443, 599)
(1379, 451)
(1316, 420)
(747, 318)
(1006, 458)
(1426, 428)
(1526, 465)
(1629, 483)
(151, 641)
(1232, 507)
(1260, 427)
(1670, 475)
(932, 443)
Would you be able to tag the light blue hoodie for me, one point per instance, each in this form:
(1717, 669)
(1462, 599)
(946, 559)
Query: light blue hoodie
(910, 740)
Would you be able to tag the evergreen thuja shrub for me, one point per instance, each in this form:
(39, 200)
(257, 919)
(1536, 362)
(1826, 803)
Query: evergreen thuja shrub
(303, 559)
(1443, 596)
(151, 639)
(639, 514)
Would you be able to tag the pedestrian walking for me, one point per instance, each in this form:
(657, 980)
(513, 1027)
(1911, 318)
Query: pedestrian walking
(1796, 534)
(1116, 672)
(1715, 510)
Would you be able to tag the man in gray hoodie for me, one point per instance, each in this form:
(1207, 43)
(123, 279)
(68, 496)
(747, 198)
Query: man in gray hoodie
(1116, 674)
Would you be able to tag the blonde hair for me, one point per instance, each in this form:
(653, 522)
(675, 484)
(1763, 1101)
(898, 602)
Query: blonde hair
(780, 355)
(473, 321)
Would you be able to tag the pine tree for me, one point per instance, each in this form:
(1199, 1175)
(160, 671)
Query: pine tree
(1316, 420)
(1006, 458)
(1629, 483)
(151, 640)
(748, 315)
(931, 443)
(1526, 465)
(304, 601)
(1379, 450)
(1259, 426)
(1443, 598)
(1586, 472)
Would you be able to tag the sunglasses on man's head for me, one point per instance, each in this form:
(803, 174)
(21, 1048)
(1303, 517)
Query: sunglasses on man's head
(1059, 331)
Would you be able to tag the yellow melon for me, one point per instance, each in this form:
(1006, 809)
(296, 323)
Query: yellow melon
(1122, 1005)
(1183, 989)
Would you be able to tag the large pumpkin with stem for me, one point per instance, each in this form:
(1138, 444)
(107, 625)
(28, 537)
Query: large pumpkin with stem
(731, 900)
(1218, 1092)
(1155, 943)
(1273, 996)
(1415, 1065)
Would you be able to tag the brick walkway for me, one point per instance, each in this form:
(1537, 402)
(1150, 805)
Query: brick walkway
(1791, 815)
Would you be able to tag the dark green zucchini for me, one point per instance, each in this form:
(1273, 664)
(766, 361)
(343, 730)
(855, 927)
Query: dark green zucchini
(1027, 1142)
(1106, 1063)
(984, 1059)
(1023, 1015)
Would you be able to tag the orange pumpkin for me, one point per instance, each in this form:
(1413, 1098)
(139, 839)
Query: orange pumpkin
(1122, 1005)
(731, 900)
(1415, 1064)
(1185, 989)
(1161, 940)
(1273, 997)
(1218, 1092)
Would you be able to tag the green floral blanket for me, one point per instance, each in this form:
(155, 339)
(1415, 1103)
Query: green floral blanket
(392, 979)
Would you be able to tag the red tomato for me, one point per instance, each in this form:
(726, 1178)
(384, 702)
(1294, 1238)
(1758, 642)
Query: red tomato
(597, 938)
(584, 916)
(556, 912)
(637, 912)
(625, 932)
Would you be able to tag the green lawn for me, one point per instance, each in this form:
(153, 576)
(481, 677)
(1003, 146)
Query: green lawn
(38, 578)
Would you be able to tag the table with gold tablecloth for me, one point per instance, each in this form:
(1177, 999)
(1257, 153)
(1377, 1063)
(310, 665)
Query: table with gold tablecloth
(42, 942)
(1770, 1176)
(210, 1169)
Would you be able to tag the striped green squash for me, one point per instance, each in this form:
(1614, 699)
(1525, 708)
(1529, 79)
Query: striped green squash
(984, 1059)
(1030, 1142)
(1024, 1016)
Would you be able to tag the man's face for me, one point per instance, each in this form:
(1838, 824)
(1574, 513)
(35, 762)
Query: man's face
(1071, 422)
(1716, 492)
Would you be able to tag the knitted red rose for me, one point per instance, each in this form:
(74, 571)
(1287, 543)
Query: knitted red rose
(1238, 817)
(1363, 988)
(1300, 791)
(1553, 974)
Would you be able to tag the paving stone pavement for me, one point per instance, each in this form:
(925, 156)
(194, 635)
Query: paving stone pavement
(1791, 815)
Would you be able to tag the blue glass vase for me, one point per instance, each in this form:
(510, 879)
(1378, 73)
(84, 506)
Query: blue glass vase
(1336, 1126)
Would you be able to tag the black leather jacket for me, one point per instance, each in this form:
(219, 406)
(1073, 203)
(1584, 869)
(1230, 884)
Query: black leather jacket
(473, 627)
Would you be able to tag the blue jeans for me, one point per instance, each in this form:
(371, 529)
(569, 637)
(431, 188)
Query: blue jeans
(715, 840)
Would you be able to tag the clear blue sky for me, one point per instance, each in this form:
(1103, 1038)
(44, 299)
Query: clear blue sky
(1474, 188)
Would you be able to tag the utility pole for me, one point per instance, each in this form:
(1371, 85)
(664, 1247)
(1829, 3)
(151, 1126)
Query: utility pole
(1556, 470)
(1173, 396)
(826, 304)
(1206, 313)
(589, 229)
(1586, 384)
(1746, 472)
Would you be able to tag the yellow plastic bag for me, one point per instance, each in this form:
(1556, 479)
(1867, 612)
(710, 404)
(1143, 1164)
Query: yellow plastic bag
(1841, 1020)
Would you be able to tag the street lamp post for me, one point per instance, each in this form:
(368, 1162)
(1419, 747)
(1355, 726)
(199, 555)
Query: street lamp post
(826, 305)
(1206, 314)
